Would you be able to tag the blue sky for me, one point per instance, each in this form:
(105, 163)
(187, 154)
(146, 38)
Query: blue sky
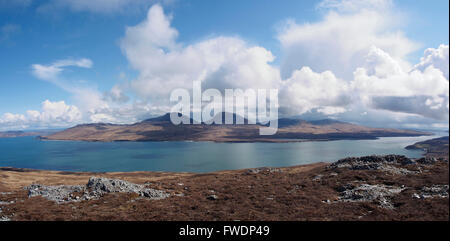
(46, 31)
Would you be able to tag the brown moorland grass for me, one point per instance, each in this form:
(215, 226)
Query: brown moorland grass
(290, 194)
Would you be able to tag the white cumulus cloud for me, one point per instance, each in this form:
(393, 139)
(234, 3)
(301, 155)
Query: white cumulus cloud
(438, 58)
(339, 42)
(306, 90)
(385, 85)
(164, 64)
(328, 66)
(52, 114)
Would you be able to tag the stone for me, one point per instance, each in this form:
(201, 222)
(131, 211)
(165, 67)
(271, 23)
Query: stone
(213, 197)
(435, 191)
(427, 160)
(317, 178)
(388, 163)
(262, 170)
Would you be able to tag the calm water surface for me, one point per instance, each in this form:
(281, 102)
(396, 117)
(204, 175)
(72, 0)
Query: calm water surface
(28, 152)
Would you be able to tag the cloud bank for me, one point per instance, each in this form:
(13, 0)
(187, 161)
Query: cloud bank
(351, 65)
(52, 115)
(328, 67)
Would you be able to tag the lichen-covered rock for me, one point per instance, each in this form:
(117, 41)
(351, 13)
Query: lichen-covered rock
(389, 163)
(100, 186)
(369, 193)
(54, 193)
(435, 191)
(95, 188)
(262, 170)
(367, 161)
(3, 218)
(212, 197)
(427, 160)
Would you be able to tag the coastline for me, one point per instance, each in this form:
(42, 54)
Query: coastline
(259, 140)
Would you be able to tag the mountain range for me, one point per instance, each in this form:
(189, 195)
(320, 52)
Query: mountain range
(162, 129)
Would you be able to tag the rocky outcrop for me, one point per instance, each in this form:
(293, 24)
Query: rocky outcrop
(266, 170)
(3, 218)
(369, 193)
(95, 188)
(58, 194)
(427, 161)
(435, 191)
(390, 163)
(382, 194)
(99, 186)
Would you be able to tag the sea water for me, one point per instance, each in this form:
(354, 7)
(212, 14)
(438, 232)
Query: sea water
(30, 152)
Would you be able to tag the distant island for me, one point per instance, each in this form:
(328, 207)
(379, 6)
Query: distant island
(11, 134)
(162, 129)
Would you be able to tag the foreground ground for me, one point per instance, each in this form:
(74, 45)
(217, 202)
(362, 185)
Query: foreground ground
(370, 188)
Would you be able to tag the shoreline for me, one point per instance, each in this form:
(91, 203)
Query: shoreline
(44, 138)
(261, 140)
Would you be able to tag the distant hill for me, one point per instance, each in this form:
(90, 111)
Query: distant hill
(163, 118)
(162, 129)
(437, 147)
(166, 118)
(325, 122)
(11, 134)
(285, 122)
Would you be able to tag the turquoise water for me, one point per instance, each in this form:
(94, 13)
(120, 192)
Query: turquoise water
(29, 152)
